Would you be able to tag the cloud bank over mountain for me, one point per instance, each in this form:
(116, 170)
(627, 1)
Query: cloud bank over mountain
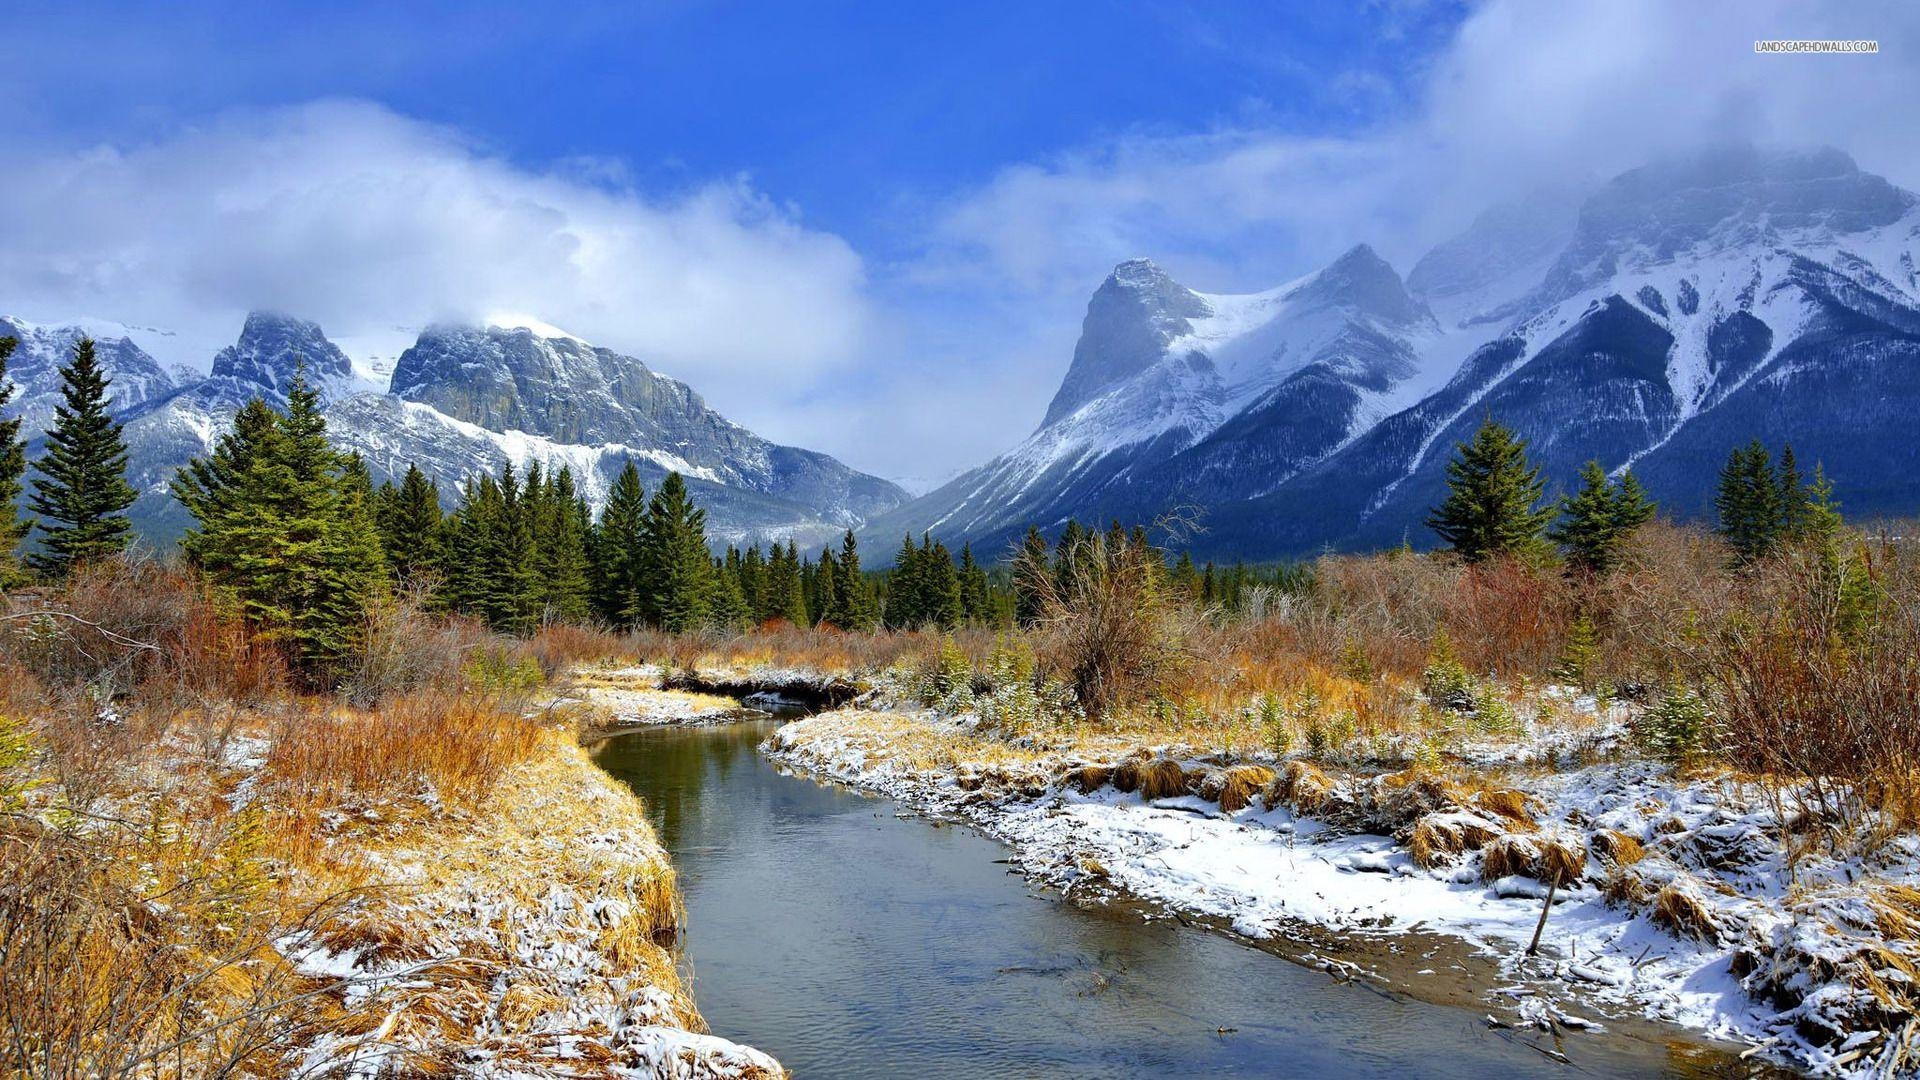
(368, 220)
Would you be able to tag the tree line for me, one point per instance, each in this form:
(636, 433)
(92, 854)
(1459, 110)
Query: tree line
(1493, 505)
(295, 536)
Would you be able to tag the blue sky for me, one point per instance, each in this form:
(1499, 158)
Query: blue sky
(866, 228)
(851, 111)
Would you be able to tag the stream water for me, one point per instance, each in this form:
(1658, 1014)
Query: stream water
(852, 940)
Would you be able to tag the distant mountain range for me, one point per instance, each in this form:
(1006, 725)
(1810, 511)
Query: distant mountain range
(1680, 310)
(462, 400)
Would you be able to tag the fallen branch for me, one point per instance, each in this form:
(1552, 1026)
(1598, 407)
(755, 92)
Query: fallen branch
(118, 639)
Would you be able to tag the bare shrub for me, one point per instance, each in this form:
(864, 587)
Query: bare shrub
(1817, 666)
(1111, 627)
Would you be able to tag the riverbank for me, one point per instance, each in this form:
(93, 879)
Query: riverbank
(1675, 898)
(437, 886)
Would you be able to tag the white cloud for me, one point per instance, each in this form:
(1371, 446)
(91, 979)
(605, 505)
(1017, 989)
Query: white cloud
(363, 219)
(1525, 94)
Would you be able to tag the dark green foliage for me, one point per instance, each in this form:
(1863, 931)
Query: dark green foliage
(785, 595)
(852, 605)
(924, 588)
(13, 466)
(1748, 502)
(1026, 602)
(82, 491)
(561, 522)
(1597, 521)
(615, 551)
(677, 586)
(283, 529)
(976, 592)
(1491, 508)
(410, 522)
(1761, 505)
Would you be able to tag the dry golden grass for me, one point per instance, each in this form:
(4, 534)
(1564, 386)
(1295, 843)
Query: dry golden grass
(1680, 911)
(1615, 848)
(1438, 839)
(1236, 787)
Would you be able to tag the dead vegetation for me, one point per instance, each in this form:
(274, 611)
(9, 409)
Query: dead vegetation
(208, 874)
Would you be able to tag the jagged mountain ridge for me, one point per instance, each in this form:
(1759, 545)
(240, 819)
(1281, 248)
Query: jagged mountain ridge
(1689, 306)
(582, 407)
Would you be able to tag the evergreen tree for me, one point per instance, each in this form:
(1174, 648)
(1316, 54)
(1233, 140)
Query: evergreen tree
(678, 589)
(1820, 516)
(976, 593)
(1796, 502)
(82, 491)
(618, 565)
(906, 606)
(1748, 502)
(284, 530)
(1597, 520)
(1031, 561)
(1491, 505)
(822, 598)
(852, 606)
(560, 550)
(410, 520)
(942, 587)
(753, 584)
(728, 607)
(13, 466)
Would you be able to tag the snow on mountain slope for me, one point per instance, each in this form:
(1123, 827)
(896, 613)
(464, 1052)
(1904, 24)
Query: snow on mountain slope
(134, 377)
(470, 399)
(1161, 369)
(1686, 307)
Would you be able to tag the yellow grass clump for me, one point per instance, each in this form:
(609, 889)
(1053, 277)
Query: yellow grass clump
(1235, 787)
(1303, 788)
(1678, 910)
(1439, 839)
(1615, 848)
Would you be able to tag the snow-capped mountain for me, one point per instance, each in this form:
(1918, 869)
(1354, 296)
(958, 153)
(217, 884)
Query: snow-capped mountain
(34, 368)
(466, 399)
(1688, 307)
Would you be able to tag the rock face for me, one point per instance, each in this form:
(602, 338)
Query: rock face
(1686, 308)
(34, 369)
(273, 347)
(466, 399)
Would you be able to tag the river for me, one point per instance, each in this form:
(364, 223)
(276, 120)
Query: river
(852, 940)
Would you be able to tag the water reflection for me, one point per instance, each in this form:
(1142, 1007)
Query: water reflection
(853, 943)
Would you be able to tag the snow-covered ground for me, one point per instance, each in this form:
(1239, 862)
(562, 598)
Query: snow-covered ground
(1682, 906)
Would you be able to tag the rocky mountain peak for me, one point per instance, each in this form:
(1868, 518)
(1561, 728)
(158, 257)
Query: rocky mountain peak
(273, 346)
(1364, 281)
(1727, 197)
(1132, 316)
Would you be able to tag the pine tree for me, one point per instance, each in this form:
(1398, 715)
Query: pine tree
(1492, 495)
(1820, 516)
(976, 593)
(939, 586)
(753, 584)
(821, 598)
(1796, 503)
(82, 489)
(283, 529)
(618, 571)
(13, 467)
(1597, 521)
(1748, 502)
(410, 520)
(784, 596)
(852, 606)
(679, 570)
(1031, 562)
(560, 550)
(906, 607)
